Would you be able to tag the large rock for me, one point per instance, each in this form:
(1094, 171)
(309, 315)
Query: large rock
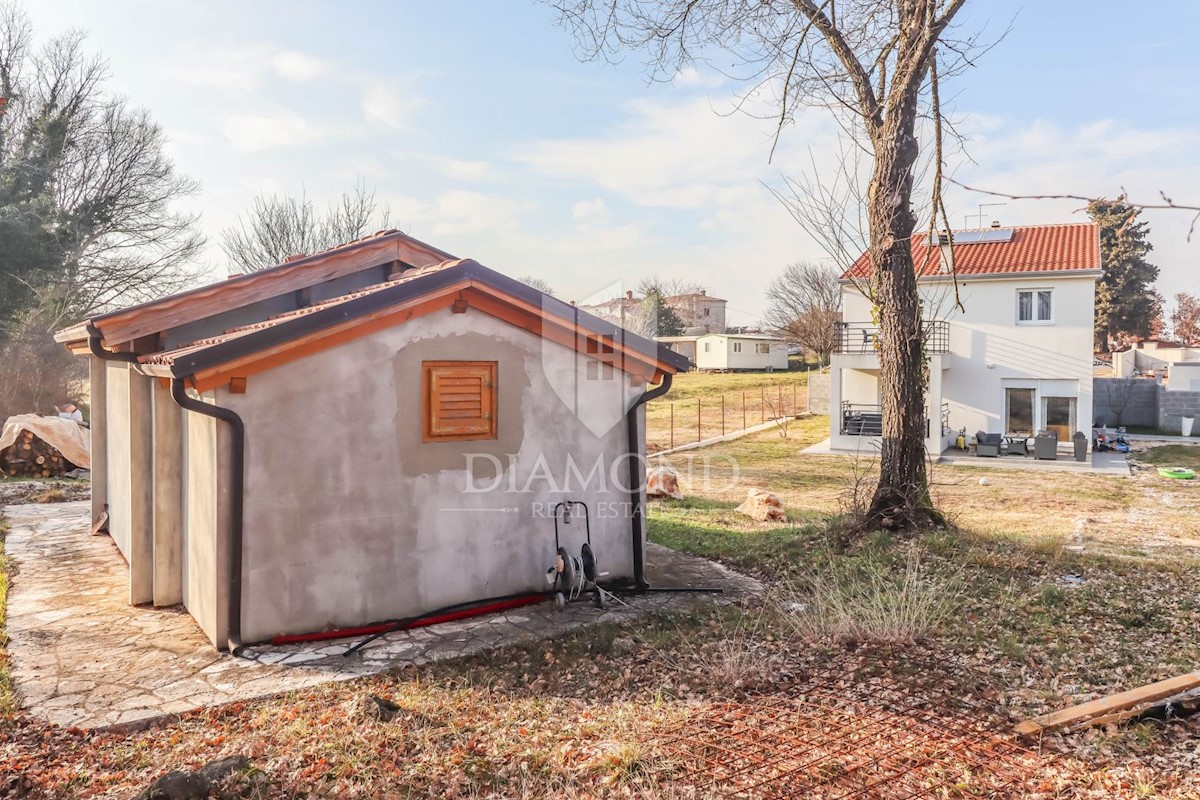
(762, 506)
(662, 481)
(180, 785)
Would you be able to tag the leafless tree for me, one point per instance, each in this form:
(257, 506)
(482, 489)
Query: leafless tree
(669, 287)
(803, 305)
(540, 284)
(276, 227)
(1119, 392)
(872, 63)
(102, 166)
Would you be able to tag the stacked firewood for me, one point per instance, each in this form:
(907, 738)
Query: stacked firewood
(30, 456)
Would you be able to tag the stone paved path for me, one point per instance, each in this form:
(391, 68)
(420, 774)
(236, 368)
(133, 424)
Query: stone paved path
(82, 656)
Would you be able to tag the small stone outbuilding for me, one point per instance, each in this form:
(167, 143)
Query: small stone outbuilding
(366, 433)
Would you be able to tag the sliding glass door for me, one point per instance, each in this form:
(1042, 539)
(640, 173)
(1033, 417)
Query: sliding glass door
(1018, 411)
(1058, 415)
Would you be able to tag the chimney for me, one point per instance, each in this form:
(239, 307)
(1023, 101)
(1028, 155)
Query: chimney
(629, 294)
(703, 292)
(995, 223)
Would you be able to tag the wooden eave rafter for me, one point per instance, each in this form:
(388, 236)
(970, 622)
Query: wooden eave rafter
(476, 294)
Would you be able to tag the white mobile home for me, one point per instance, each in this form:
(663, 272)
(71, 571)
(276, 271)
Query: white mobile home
(744, 351)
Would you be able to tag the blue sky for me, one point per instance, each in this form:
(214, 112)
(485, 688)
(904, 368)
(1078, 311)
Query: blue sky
(479, 127)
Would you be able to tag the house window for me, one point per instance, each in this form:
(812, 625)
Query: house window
(763, 347)
(706, 310)
(1035, 306)
(459, 400)
(707, 346)
(737, 347)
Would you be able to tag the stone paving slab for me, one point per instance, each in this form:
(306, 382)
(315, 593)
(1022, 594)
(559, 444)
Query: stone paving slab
(82, 656)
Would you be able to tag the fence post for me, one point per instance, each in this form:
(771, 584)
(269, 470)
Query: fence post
(672, 424)
(698, 436)
(722, 415)
(795, 409)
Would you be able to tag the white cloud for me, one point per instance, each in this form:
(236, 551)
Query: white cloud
(270, 130)
(591, 212)
(690, 77)
(387, 105)
(297, 67)
(244, 69)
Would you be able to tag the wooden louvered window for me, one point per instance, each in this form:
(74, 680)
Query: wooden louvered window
(459, 400)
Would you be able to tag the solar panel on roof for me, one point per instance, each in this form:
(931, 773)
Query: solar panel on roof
(984, 236)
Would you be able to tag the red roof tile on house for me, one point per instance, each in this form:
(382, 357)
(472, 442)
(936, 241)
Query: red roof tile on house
(1070, 247)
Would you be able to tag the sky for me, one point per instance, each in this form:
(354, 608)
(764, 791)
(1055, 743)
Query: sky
(487, 136)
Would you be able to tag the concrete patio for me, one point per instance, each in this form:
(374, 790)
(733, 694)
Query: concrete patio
(82, 656)
(1113, 464)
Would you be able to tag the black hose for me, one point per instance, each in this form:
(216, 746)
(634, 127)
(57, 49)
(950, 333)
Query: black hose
(399, 624)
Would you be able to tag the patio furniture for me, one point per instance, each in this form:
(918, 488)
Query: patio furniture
(1045, 446)
(1081, 446)
(987, 445)
(1017, 446)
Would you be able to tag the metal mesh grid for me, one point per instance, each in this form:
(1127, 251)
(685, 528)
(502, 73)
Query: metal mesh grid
(880, 742)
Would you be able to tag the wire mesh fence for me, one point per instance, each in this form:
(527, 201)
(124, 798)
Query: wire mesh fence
(672, 423)
(888, 742)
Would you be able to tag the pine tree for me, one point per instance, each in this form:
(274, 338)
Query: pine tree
(1126, 303)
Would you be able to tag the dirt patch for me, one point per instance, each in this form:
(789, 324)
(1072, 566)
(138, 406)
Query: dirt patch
(64, 490)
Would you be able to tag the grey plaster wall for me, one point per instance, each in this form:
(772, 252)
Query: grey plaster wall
(1139, 396)
(168, 498)
(818, 392)
(116, 413)
(206, 523)
(351, 518)
(97, 377)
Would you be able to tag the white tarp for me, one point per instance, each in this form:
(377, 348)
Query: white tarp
(66, 435)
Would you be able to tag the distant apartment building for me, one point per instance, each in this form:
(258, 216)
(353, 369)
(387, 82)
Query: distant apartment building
(699, 311)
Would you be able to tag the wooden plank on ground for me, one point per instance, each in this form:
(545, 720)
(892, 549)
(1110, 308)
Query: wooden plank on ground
(1108, 706)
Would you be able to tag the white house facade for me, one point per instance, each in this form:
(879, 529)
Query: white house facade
(1014, 359)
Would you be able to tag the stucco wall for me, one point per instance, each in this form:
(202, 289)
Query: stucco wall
(351, 518)
(990, 351)
(206, 522)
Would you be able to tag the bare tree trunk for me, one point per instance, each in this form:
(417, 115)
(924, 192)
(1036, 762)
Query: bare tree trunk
(902, 498)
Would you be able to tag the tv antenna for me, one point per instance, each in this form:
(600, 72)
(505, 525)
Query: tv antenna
(979, 217)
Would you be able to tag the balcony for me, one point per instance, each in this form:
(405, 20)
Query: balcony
(866, 419)
(863, 338)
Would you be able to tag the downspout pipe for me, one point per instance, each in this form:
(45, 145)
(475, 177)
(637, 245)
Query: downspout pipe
(637, 524)
(99, 352)
(236, 491)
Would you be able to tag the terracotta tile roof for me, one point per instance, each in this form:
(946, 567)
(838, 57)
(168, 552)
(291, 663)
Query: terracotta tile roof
(295, 272)
(1070, 247)
(169, 356)
(294, 325)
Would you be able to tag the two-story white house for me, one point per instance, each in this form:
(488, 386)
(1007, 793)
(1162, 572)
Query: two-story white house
(1016, 359)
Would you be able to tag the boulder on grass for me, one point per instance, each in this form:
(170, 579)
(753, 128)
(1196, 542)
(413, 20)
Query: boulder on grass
(663, 482)
(762, 506)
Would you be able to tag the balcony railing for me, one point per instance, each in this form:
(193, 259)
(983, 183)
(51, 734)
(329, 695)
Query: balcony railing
(866, 419)
(860, 337)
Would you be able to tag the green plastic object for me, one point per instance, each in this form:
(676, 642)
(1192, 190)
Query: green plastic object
(1180, 473)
